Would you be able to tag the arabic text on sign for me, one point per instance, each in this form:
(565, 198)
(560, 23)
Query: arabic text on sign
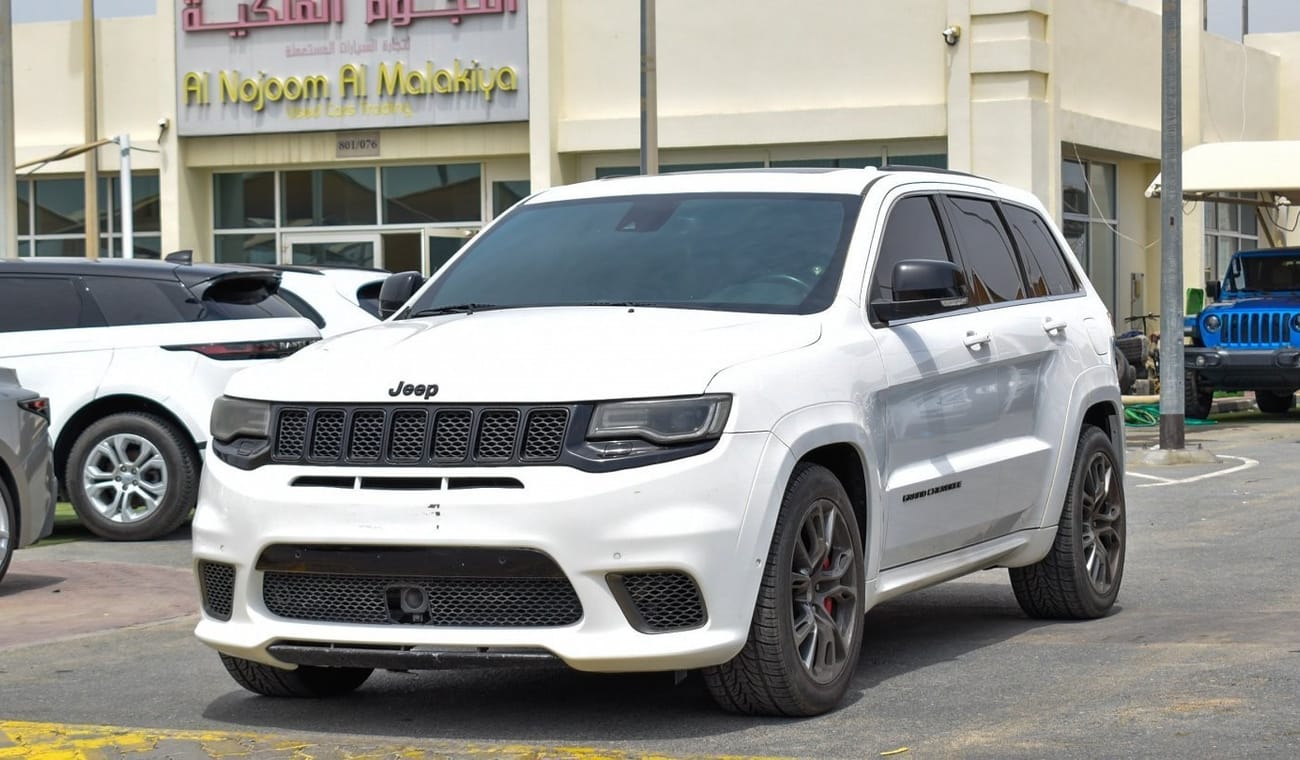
(258, 14)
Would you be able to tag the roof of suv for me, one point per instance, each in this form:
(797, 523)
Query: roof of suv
(789, 180)
(144, 268)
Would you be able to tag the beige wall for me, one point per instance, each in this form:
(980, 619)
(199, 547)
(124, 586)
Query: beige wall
(747, 80)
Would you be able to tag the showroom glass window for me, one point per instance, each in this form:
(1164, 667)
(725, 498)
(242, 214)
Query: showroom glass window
(1229, 227)
(1090, 222)
(52, 213)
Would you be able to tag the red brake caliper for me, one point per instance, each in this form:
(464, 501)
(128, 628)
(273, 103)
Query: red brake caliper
(827, 603)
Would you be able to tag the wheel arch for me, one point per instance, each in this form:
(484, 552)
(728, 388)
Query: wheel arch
(846, 463)
(103, 407)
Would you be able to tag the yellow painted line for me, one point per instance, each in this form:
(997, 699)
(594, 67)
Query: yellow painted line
(56, 741)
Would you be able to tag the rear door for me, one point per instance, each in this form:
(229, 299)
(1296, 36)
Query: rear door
(54, 336)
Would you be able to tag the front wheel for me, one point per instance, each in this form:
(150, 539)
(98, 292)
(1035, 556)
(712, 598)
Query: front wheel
(806, 633)
(1198, 397)
(304, 681)
(1079, 578)
(8, 530)
(1273, 402)
(132, 477)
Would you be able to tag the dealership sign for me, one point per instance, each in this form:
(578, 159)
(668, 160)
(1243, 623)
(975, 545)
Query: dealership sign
(318, 65)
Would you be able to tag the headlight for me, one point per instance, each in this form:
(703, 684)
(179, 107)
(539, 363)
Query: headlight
(663, 421)
(234, 418)
(1212, 323)
(1295, 322)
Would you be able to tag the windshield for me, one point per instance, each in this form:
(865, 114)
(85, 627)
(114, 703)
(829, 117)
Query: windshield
(1264, 273)
(775, 253)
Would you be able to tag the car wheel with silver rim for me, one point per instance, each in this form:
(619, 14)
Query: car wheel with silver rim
(132, 476)
(1080, 577)
(806, 635)
(8, 529)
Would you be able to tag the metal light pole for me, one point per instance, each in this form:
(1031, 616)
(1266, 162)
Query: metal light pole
(91, 106)
(8, 182)
(649, 91)
(127, 204)
(1171, 236)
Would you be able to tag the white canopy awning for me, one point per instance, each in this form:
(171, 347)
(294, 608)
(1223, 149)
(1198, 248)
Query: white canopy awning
(1266, 166)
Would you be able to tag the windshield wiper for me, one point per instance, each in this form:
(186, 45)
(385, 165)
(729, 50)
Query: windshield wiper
(460, 308)
(645, 304)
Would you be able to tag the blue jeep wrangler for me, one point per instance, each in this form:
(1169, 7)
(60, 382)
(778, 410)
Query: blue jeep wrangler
(1249, 340)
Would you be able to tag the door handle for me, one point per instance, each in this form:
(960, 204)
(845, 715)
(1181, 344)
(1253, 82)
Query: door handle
(975, 341)
(1052, 325)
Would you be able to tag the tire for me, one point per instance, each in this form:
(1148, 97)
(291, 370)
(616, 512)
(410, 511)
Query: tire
(132, 477)
(306, 681)
(1273, 402)
(1080, 577)
(8, 529)
(780, 672)
(1198, 398)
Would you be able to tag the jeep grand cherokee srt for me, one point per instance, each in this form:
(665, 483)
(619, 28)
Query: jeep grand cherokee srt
(690, 421)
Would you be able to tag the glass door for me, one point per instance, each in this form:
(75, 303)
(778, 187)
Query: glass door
(338, 249)
(442, 243)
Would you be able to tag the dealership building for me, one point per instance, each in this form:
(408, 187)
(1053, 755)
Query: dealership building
(384, 132)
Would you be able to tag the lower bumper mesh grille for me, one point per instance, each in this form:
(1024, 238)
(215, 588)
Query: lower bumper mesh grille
(451, 601)
(659, 602)
(217, 588)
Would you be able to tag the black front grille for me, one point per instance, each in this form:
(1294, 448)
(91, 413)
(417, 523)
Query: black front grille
(1256, 329)
(419, 435)
(216, 588)
(451, 601)
(659, 602)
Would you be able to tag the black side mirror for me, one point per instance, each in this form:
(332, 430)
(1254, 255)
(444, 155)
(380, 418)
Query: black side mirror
(923, 287)
(397, 290)
(1212, 289)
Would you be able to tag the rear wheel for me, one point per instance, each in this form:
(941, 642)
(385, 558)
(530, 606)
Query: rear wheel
(1273, 402)
(8, 529)
(806, 634)
(132, 477)
(304, 681)
(1080, 577)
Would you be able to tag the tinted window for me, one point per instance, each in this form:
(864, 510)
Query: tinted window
(41, 303)
(993, 273)
(912, 232)
(242, 298)
(302, 307)
(761, 252)
(127, 301)
(1045, 265)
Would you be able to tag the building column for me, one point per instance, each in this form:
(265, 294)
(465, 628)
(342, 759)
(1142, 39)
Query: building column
(546, 93)
(183, 196)
(1012, 130)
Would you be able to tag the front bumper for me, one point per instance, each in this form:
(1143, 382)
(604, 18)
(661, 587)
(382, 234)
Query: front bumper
(1243, 370)
(704, 516)
(39, 492)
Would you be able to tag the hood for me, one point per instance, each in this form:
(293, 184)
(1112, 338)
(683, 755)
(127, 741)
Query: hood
(535, 355)
(1256, 302)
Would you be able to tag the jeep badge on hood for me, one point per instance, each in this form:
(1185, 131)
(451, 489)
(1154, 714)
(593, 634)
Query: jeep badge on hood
(404, 388)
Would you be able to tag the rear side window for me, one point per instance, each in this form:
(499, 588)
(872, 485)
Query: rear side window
(993, 273)
(130, 301)
(302, 307)
(43, 303)
(368, 297)
(1045, 264)
(912, 232)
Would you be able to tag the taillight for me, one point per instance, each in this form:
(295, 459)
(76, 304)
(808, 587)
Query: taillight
(38, 406)
(250, 349)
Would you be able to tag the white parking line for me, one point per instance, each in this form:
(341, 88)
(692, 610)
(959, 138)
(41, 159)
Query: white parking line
(1246, 464)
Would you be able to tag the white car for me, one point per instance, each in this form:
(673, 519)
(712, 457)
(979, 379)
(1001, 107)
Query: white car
(131, 355)
(335, 299)
(663, 423)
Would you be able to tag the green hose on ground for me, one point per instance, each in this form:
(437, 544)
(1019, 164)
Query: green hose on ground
(1148, 415)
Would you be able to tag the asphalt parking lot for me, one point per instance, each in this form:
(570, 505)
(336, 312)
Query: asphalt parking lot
(1201, 658)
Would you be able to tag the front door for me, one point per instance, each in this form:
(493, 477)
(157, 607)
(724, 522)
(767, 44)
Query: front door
(340, 249)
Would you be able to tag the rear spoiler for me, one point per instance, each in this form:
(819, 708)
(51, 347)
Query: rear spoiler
(238, 286)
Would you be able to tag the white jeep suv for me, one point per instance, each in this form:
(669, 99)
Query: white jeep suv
(131, 355)
(690, 421)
